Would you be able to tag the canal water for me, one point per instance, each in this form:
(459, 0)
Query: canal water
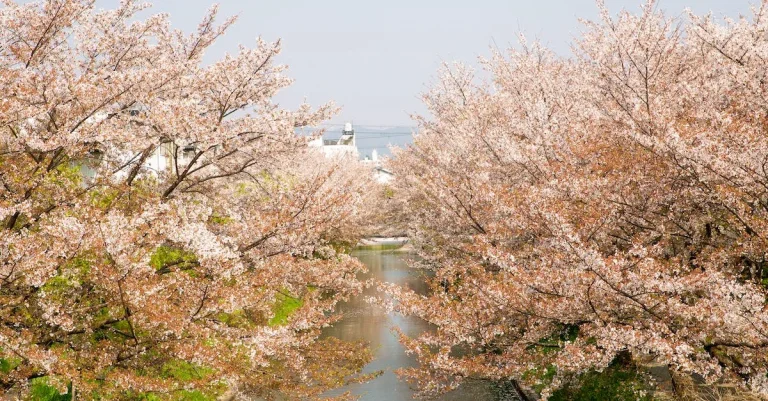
(371, 323)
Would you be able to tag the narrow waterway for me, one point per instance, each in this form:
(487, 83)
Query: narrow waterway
(371, 323)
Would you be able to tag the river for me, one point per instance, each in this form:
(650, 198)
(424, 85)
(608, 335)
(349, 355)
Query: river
(371, 323)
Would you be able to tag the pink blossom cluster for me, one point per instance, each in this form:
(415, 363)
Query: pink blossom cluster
(576, 209)
(114, 270)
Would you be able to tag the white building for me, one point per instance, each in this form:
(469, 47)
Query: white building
(169, 155)
(345, 145)
(166, 157)
(382, 175)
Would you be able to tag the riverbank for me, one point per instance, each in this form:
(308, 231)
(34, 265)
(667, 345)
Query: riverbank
(400, 244)
(370, 322)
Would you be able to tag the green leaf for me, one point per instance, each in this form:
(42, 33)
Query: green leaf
(284, 308)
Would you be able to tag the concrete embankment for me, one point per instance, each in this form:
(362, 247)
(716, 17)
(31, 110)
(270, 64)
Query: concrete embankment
(385, 244)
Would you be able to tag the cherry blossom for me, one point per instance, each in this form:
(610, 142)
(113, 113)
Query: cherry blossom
(577, 209)
(114, 270)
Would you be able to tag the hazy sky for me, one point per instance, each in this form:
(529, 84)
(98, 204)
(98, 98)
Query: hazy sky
(374, 58)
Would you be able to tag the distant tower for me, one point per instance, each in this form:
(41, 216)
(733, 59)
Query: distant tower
(375, 155)
(348, 135)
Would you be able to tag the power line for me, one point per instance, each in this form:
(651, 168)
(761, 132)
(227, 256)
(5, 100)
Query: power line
(376, 133)
(382, 135)
(373, 126)
(371, 133)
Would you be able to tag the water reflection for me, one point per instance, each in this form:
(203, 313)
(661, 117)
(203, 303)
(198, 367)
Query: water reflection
(367, 322)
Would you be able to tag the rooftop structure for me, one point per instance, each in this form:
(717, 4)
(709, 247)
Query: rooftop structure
(344, 145)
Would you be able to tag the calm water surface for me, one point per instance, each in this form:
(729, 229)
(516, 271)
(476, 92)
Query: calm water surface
(371, 323)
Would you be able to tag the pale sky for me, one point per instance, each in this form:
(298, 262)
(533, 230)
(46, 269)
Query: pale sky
(374, 58)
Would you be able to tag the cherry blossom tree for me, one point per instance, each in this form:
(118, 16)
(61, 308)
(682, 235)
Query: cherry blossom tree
(164, 233)
(578, 210)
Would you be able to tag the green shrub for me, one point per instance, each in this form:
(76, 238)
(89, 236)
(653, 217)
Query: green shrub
(184, 395)
(184, 371)
(41, 390)
(283, 308)
(618, 382)
(7, 365)
(166, 257)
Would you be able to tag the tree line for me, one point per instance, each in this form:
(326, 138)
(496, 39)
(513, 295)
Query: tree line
(575, 215)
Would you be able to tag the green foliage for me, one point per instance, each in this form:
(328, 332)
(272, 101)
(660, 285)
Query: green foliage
(181, 372)
(340, 247)
(185, 395)
(191, 396)
(283, 308)
(70, 276)
(7, 365)
(553, 343)
(117, 331)
(67, 174)
(184, 371)
(389, 193)
(81, 265)
(238, 319)
(21, 220)
(543, 377)
(221, 220)
(56, 287)
(242, 189)
(165, 257)
(142, 189)
(618, 382)
(123, 326)
(40, 389)
(102, 316)
(569, 333)
(103, 199)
